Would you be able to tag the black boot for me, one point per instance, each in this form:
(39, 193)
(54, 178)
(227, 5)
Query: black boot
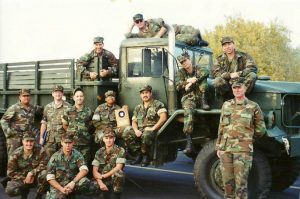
(137, 160)
(204, 103)
(145, 161)
(4, 181)
(189, 145)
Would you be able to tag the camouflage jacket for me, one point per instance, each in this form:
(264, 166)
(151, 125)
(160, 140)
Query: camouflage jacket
(19, 165)
(18, 119)
(105, 116)
(64, 169)
(89, 62)
(153, 27)
(107, 161)
(148, 117)
(239, 123)
(52, 118)
(242, 63)
(79, 123)
(201, 73)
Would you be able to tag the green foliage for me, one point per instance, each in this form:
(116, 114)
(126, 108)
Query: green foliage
(268, 44)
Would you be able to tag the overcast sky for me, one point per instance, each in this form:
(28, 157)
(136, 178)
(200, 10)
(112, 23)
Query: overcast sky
(57, 29)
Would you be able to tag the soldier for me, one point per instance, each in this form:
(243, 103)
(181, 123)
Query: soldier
(104, 116)
(232, 65)
(99, 63)
(241, 120)
(17, 119)
(149, 28)
(108, 166)
(191, 82)
(51, 124)
(147, 118)
(189, 35)
(26, 167)
(66, 172)
(78, 121)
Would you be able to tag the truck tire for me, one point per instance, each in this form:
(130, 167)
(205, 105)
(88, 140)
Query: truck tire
(285, 172)
(208, 178)
(3, 154)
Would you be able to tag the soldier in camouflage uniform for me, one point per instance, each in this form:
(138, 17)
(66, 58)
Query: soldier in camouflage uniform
(149, 28)
(17, 119)
(108, 166)
(66, 172)
(189, 35)
(241, 120)
(191, 83)
(232, 65)
(104, 116)
(27, 167)
(99, 63)
(51, 124)
(78, 121)
(147, 118)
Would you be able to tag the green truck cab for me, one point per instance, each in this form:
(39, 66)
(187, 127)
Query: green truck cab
(153, 61)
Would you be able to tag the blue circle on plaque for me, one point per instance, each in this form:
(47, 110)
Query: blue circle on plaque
(121, 114)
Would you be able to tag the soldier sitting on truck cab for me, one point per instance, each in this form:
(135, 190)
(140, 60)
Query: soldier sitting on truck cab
(99, 63)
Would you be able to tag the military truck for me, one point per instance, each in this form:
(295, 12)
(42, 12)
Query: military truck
(153, 61)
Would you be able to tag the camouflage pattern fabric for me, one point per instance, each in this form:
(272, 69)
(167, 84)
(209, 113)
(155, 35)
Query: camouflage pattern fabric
(235, 169)
(153, 27)
(64, 169)
(106, 162)
(15, 121)
(240, 122)
(52, 118)
(189, 98)
(19, 166)
(103, 117)
(187, 34)
(79, 124)
(88, 63)
(242, 63)
(145, 117)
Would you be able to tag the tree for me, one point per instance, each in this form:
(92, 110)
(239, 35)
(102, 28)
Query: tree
(269, 45)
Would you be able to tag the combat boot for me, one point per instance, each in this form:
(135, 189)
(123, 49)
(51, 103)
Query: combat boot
(189, 145)
(138, 159)
(204, 103)
(145, 161)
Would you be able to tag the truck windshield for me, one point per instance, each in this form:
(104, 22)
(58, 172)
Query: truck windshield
(146, 62)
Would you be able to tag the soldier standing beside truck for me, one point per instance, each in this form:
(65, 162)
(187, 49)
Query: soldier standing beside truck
(51, 124)
(99, 63)
(240, 121)
(191, 83)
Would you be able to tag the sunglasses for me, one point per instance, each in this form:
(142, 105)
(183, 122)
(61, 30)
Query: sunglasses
(138, 21)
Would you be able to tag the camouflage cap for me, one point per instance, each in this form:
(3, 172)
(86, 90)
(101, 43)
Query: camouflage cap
(28, 136)
(237, 83)
(77, 89)
(109, 132)
(137, 17)
(226, 39)
(67, 137)
(98, 40)
(110, 93)
(24, 91)
(183, 57)
(145, 88)
(58, 88)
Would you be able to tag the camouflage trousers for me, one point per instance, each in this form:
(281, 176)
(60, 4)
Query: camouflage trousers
(114, 184)
(134, 143)
(235, 169)
(85, 150)
(83, 186)
(12, 143)
(223, 86)
(52, 143)
(17, 187)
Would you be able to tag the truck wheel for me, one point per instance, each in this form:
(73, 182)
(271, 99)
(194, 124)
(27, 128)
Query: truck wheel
(208, 177)
(284, 173)
(3, 154)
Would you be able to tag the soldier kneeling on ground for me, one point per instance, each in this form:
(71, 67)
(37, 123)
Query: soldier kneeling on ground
(26, 168)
